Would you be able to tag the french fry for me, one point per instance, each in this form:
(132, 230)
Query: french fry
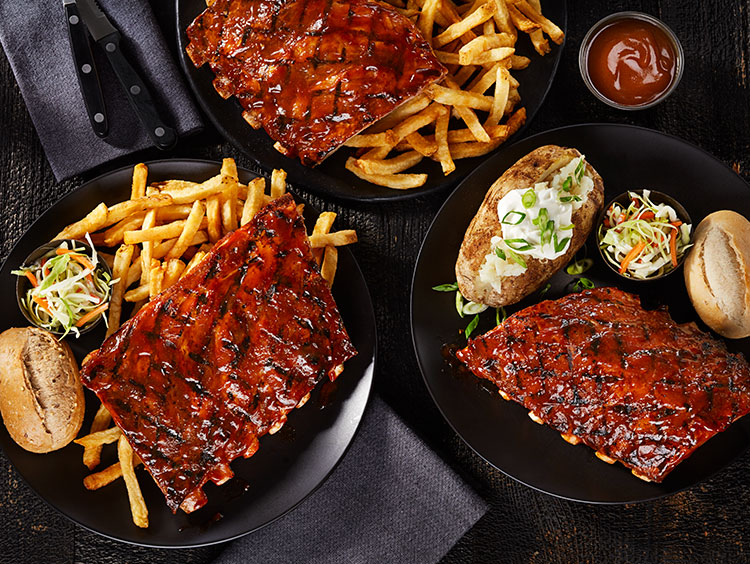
(322, 225)
(190, 228)
(121, 267)
(554, 32)
(472, 122)
(407, 109)
(426, 19)
(213, 215)
(443, 153)
(127, 208)
(455, 97)
(92, 453)
(175, 268)
(254, 200)
(105, 477)
(228, 195)
(481, 15)
(330, 262)
(479, 45)
(502, 91)
(390, 166)
(519, 20)
(278, 183)
(334, 239)
(155, 279)
(137, 294)
(99, 438)
(115, 234)
(148, 246)
(159, 232)
(137, 504)
(138, 186)
(420, 144)
(94, 221)
(187, 195)
(397, 181)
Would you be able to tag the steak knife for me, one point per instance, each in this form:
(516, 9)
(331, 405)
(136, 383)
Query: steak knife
(88, 78)
(106, 35)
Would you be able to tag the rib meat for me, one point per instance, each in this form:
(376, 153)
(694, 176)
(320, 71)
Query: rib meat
(217, 360)
(312, 73)
(629, 383)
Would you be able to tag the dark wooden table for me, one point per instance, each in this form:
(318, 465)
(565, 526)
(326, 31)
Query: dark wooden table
(707, 523)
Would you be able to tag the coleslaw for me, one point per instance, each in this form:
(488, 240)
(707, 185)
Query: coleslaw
(645, 239)
(69, 290)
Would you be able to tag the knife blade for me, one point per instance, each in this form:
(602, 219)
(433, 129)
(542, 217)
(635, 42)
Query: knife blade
(88, 78)
(106, 35)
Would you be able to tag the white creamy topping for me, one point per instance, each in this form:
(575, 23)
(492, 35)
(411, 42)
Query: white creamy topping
(536, 222)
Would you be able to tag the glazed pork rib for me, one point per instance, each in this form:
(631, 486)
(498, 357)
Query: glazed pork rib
(219, 359)
(312, 73)
(630, 383)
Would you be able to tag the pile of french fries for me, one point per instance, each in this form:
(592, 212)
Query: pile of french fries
(475, 40)
(160, 234)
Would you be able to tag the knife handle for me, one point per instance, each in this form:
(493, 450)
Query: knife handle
(88, 79)
(162, 135)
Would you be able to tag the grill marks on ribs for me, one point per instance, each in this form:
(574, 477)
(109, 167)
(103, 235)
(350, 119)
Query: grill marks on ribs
(312, 73)
(629, 383)
(215, 361)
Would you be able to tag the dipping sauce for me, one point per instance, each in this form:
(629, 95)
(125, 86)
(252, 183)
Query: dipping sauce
(632, 62)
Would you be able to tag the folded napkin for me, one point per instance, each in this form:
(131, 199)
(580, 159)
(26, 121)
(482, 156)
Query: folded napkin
(34, 36)
(391, 500)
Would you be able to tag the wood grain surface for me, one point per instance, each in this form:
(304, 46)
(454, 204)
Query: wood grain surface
(708, 523)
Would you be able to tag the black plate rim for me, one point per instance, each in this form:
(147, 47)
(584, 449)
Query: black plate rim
(426, 380)
(387, 195)
(368, 374)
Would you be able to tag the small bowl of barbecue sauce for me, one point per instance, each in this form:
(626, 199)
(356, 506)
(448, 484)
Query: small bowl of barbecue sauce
(631, 60)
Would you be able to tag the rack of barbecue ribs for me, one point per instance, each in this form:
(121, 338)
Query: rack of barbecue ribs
(217, 360)
(312, 73)
(631, 384)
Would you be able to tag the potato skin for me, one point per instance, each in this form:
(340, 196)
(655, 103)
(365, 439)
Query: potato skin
(477, 240)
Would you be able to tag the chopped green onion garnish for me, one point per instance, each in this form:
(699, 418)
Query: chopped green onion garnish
(500, 253)
(509, 218)
(579, 266)
(459, 304)
(529, 198)
(542, 219)
(579, 171)
(498, 312)
(516, 258)
(519, 244)
(566, 199)
(471, 326)
(446, 287)
(566, 227)
(568, 184)
(545, 289)
(559, 246)
(581, 283)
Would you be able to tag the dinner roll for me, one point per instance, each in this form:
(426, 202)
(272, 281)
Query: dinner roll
(717, 273)
(41, 398)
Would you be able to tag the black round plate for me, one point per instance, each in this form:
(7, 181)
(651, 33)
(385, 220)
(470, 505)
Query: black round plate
(331, 178)
(501, 432)
(289, 465)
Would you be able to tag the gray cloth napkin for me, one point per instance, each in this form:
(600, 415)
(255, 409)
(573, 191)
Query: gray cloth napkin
(391, 500)
(34, 36)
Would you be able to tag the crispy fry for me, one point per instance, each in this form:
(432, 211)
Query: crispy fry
(197, 257)
(127, 208)
(254, 201)
(427, 18)
(148, 246)
(92, 453)
(187, 195)
(472, 122)
(502, 90)
(481, 15)
(407, 109)
(137, 504)
(105, 477)
(175, 268)
(443, 153)
(228, 195)
(159, 232)
(335, 239)
(123, 257)
(554, 32)
(398, 181)
(94, 221)
(191, 227)
(384, 139)
(278, 183)
(420, 144)
(213, 215)
(137, 294)
(330, 261)
(138, 187)
(475, 47)
(155, 279)
(322, 225)
(99, 438)
(455, 97)
(390, 166)
(114, 235)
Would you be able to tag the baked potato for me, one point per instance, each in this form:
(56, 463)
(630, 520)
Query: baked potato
(492, 270)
